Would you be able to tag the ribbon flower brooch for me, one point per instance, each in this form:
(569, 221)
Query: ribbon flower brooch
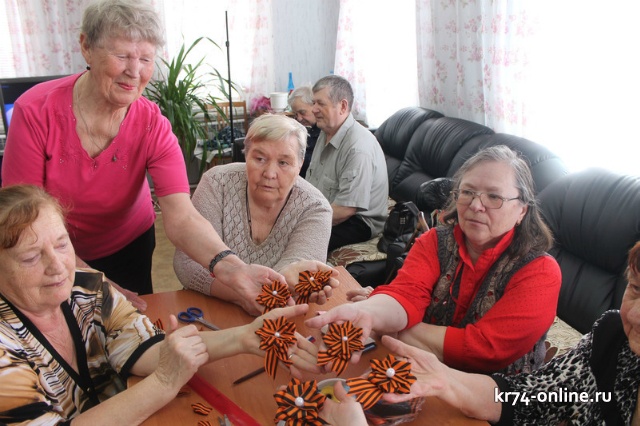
(299, 403)
(275, 338)
(274, 295)
(310, 282)
(390, 375)
(342, 340)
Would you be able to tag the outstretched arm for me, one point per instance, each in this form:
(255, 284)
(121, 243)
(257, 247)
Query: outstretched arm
(195, 236)
(473, 394)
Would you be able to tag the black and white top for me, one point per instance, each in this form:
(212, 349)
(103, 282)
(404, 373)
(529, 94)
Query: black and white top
(596, 383)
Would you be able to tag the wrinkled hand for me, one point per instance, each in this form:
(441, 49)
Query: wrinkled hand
(292, 271)
(346, 312)
(431, 374)
(246, 282)
(131, 296)
(347, 412)
(359, 294)
(181, 354)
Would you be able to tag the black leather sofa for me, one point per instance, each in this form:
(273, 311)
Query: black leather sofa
(594, 215)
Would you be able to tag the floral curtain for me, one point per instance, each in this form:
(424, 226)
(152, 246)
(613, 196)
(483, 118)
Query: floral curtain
(41, 37)
(472, 59)
(347, 56)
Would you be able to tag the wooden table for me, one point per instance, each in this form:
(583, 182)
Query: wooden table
(255, 396)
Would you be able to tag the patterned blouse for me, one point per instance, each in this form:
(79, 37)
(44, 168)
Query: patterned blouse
(596, 383)
(38, 386)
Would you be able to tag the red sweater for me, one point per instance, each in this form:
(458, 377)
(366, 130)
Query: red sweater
(508, 330)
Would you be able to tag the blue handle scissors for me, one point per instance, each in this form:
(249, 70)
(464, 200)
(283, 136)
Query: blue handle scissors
(195, 314)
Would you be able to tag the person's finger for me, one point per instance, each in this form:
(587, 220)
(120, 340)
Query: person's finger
(339, 391)
(333, 315)
(273, 275)
(287, 312)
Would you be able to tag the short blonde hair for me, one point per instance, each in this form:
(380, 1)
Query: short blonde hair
(135, 20)
(276, 127)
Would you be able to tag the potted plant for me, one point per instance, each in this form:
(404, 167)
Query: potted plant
(180, 95)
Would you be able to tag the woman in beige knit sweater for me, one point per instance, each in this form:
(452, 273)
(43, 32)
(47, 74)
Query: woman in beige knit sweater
(264, 212)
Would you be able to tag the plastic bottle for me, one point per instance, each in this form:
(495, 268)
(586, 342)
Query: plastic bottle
(291, 86)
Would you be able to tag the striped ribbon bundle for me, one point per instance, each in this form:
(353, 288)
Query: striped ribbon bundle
(310, 282)
(276, 337)
(342, 340)
(389, 375)
(299, 403)
(273, 295)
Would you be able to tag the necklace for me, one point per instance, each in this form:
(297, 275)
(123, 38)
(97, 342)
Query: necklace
(110, 133)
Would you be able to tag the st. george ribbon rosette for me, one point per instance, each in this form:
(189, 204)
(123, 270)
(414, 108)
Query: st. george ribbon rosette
(341, 340)
(273, 295)
(275, 338)
(310, 282)
(299, 403)
(389, 375)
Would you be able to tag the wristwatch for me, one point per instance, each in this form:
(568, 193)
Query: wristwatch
(218, 258)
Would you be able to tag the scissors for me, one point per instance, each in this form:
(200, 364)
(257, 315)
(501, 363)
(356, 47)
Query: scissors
(195, 314)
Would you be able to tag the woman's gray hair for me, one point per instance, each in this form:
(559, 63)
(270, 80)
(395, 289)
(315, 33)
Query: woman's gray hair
(339, 89)
(274, 127)
(132, 19)
(532, 233)
(304, 93)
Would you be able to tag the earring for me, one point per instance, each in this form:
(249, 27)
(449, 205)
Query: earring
(88, 67)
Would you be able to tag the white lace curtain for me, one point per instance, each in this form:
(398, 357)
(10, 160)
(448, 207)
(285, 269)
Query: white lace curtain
(41, 38)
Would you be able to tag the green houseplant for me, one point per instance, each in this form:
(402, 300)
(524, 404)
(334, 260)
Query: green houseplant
(180, 93)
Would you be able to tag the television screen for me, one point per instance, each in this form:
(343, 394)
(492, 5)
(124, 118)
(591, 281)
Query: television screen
(12, 88)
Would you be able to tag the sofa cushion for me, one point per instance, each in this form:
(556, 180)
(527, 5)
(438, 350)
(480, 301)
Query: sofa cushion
(395, 133)
(595, 218)
(431, 150)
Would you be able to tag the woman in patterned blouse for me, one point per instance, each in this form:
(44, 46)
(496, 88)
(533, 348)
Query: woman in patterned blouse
(68, 339)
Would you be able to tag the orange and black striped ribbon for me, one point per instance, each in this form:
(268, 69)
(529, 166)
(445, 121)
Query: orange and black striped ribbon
(366, 392)
(200, 408)
(389, 375)
(274, 295)
(299, 404)
(310, 282)
(342, 340)
(276, 337)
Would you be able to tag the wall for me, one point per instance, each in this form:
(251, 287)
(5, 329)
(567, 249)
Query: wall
(311, 53)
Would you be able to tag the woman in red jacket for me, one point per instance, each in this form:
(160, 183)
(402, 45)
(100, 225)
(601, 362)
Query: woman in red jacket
(478, 291)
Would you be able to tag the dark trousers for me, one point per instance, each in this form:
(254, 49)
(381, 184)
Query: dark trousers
(130, 267)
(351, 231)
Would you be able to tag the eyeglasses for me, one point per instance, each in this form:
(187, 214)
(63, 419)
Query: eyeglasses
(464, 197)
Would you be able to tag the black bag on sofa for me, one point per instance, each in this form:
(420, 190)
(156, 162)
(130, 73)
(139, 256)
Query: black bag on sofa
(400, 224)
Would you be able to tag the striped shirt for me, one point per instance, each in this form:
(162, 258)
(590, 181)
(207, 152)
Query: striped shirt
(37, 384)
